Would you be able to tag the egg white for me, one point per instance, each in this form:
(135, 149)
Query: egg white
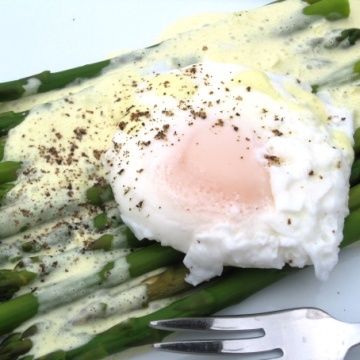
(234, 166)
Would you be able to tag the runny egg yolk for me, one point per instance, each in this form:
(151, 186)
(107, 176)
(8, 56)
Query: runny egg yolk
(217, 163)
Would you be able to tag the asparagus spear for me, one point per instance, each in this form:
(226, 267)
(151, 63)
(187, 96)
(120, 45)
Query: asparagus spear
(354, 193)
(330, 9)
(357, 139)
(2, 148)
(47, 81)
(14, 312)
(354, 198)
(352, 35)
(99, 194)
(169, 282)
(351, 228)
(15, 345)
(8, 171)
(109, 241)
(4, 189)
(355, 173)
(11, 281)
(9, 120)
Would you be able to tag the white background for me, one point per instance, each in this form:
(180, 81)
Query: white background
(53, 35)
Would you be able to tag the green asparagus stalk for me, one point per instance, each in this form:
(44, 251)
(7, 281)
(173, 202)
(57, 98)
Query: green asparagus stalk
(48, 81)
(8, 171)
(13, 90)
(107, 219)
(352, 35)
(17, 344)
(99, 194)
(355, 173)
(102, 222)
(354, 198)
(104, 242)
(14, 312)
(110, 241)
(9, 120)
(14, 346)
(168, 283)
(351, 228)
(11, 281)
(4, 189)
(2, 148)
(330, 9)
(357, 137)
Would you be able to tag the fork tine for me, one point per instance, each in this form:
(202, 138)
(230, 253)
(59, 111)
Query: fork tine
(206, 324)
(234, 323)
(257, 346)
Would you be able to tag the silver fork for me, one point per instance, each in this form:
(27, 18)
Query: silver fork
(305, 333)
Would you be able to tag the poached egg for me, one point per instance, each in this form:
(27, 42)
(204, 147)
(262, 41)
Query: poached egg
(234, 167)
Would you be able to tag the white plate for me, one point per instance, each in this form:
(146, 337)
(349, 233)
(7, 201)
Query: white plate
(44, 34)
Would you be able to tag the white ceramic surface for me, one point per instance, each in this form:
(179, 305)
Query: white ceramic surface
(54, 35)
